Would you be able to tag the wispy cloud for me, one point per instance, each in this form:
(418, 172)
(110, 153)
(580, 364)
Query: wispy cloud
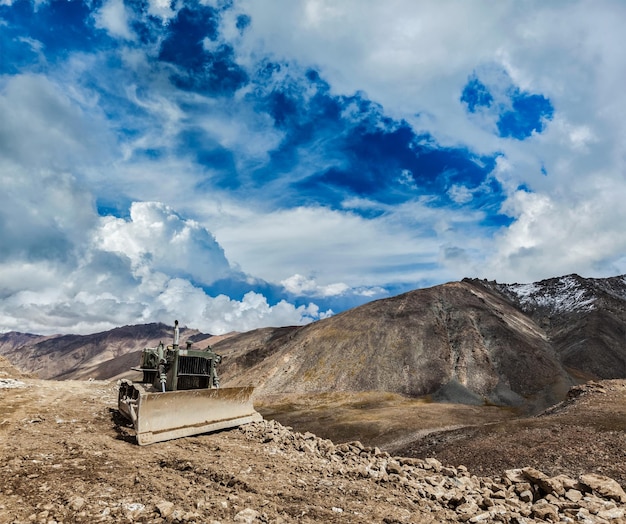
(242, 164)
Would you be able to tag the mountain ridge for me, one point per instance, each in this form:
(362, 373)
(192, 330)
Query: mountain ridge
(443, 341)
(99, 355)
(473, 341)
(578, 313)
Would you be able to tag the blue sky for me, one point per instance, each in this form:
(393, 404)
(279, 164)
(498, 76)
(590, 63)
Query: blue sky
(239, 164)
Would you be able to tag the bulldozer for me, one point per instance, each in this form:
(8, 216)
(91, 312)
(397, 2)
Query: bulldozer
(179, 395)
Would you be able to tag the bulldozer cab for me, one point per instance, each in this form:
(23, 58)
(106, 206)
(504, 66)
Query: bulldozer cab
(172, 368)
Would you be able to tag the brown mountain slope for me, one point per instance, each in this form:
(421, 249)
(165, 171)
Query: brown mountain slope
(101, 355)
(14, 340)
(457, 342)
(473, 342)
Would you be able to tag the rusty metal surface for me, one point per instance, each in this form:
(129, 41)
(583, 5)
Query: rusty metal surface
(174, 414)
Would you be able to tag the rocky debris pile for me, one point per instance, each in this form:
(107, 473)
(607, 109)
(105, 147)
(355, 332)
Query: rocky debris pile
(587, 388)
(453, 493)
(577, 395)
(9, 383)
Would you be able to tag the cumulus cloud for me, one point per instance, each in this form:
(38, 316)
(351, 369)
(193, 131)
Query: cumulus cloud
(128, 274)
(300, 285)
(211, 159)
(114, 18)
(45, 307)
(156, 236)
(551, 237)
(222, 314)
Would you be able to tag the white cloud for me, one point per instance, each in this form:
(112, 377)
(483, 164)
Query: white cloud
(301, 285)
(113, 17)
(157, 237)
(249, 135)
(162, 9)
(64, 269)
(45, 141)
(97, 302)
(460, 194)
(124, 274)
(394, 51)
(402, 245)
(222, 314)
(414, 58)
(556, 236)
(43, 125)
(406, 178)
(63, 266)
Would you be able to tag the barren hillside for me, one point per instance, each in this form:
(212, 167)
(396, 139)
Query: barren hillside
(494, 353)
(66, 456)
(470, 342)
(101, 355)
(475, 342)
(584, 319)
(455, 342)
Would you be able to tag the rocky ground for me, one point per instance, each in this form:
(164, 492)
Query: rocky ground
(585, 433)
(66, 456)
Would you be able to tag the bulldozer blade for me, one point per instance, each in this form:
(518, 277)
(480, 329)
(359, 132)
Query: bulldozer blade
(175, 414)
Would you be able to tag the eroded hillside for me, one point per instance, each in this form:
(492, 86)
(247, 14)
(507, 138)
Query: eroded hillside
(475, 342)
(99, 356)
(66, 456)
(456, 342)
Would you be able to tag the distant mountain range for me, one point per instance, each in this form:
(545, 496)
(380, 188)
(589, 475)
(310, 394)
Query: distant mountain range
(473, 341)
(99, 356)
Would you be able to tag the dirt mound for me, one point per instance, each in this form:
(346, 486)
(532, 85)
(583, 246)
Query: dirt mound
(584, 433)
(7, 370)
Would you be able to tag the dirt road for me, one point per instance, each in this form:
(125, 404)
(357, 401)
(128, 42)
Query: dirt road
(65, 458)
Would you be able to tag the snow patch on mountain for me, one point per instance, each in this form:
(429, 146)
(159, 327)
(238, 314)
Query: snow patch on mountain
(614, 286)
(558, 295)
